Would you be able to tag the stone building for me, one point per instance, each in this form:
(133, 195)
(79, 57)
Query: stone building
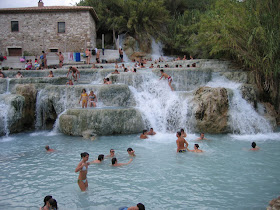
(30, 30)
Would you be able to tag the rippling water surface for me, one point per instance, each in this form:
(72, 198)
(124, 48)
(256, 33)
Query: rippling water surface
(226, 176)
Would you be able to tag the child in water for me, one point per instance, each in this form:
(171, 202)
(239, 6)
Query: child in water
(92, 99)
(84, 98)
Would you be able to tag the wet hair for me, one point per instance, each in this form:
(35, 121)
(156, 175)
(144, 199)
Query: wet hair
(151, 128)
(129, 149)
(254, 144)
(140, 206)
(84, 90)
(179, 133)
(161, 70)
(114, 160)
(182, 130)
(84, 154)
(197, 146)
(100, 157)
(47, 147)
(107, 79)
(46, 199)
(144, 131)
(134, 70)
(70, 67)
(111, 150)
(53, 203)
(43, 51)
(188, 65)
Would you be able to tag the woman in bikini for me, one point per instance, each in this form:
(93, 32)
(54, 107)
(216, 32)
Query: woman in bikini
(84, 98)
(82, 168)
(92, 99)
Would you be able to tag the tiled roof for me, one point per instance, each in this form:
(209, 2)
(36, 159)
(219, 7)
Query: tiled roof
(50, 9)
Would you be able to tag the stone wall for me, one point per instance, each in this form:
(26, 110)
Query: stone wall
(39, 31)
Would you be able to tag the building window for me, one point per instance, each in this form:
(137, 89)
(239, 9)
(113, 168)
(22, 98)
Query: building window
(14, 26)
(61, 27)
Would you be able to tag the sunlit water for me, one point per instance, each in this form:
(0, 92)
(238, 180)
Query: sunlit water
(226, 176)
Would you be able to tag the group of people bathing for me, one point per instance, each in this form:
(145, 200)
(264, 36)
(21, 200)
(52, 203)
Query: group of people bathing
(82, 167)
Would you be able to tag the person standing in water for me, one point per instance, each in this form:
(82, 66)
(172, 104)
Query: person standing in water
(183, 134)
(82, 168)
(46, 203)
(60, 58)
(196, 146)
(182, 144)
(92, 99)
(84, 98)
(166, 76)
(254, 146)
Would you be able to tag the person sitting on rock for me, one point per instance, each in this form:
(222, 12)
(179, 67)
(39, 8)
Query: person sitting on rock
(18, 75)
(51, 74)
(115, 72)
(254, 146)
(1, 74)
(144, 135)
(69, 82)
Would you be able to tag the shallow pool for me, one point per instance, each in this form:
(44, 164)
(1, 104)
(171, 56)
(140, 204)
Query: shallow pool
(226, 176)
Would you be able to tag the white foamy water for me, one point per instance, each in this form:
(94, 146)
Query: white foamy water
(162, 109)
(4, 112)
(157, 51)
(8, 86)
(243, 118)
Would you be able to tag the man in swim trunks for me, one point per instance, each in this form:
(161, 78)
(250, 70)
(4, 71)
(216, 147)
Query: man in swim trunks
(60, 58)
(74, 73)
(181, 142)
(166, 76)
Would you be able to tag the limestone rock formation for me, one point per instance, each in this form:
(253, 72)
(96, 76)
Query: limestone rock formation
(11, 114)
(210, 109)
(29, 92)
(274, 204)
(101, 121)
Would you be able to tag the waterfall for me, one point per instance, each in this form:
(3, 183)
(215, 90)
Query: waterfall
(4, 111)
(8, 86)
(39, 109)
(125, 57)
(156, 50)
(243, 118)
(161, 108)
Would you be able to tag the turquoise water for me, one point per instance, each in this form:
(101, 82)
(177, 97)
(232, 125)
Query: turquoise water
(226, 176)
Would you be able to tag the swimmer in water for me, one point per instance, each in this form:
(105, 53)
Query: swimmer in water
(130, 152)
(115, 162)
(82, 169)
(201, 137)
(254, 146)
(151, 132)
(46, 203)
(92, 99)
(144, 135)
(196, 146)
(84, 98)
(166, 76)
(139, 206)
(112, 153)
(48, 149)
(183, 134)
(99, 159)
(182, 144)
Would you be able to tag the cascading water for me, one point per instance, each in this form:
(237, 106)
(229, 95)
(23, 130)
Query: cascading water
(161, 108)
(8, 86)
(40, 122)
(243, 118)
(157, 51)
(4, 111)
(121, 39)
